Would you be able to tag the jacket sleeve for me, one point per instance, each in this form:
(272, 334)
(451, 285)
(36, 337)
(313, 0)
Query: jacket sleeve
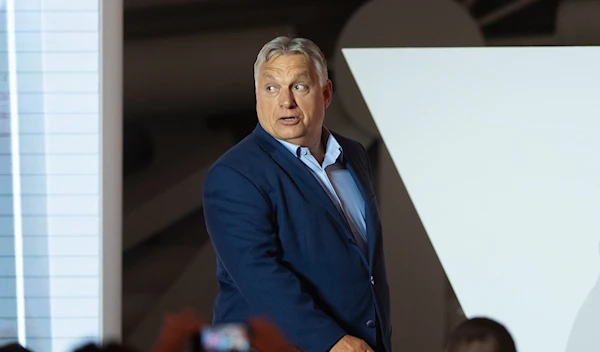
(241, 226)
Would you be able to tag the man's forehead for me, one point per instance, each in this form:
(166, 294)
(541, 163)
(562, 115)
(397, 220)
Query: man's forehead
(278, 72)
(287, 65)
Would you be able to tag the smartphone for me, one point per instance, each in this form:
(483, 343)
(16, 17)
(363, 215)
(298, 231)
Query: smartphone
(222, 338)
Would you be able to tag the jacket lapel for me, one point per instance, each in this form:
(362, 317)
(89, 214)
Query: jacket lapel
(359, 169)
(300, 174)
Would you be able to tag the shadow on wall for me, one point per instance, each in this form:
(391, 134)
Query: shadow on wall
(138, 148)
(585, 333)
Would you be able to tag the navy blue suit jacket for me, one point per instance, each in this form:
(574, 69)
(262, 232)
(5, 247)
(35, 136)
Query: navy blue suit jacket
(286, 253)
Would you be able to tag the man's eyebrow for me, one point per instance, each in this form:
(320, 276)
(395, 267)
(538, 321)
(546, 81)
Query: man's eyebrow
(303, 74)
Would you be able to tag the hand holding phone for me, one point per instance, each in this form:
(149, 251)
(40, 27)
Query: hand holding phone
(223, 338)
(259, 335)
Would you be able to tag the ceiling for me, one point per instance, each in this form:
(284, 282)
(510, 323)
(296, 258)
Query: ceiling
(320, 20)
(530, 17)
(149, 18)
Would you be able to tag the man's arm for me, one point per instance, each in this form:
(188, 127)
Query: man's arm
(240, 223)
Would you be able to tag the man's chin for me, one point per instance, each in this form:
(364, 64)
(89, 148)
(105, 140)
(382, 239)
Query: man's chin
(290, 132)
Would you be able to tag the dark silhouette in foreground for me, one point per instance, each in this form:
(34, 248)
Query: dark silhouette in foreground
(480, 335)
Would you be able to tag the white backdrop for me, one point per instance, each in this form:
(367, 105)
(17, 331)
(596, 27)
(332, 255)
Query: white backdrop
(498, 149)
(60, 172)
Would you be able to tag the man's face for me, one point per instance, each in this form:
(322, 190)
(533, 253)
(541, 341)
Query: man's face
(290, 101)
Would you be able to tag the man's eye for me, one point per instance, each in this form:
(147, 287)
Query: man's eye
(270, 89)
(300, 87)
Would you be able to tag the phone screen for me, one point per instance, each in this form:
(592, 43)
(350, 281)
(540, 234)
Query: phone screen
(226, 337)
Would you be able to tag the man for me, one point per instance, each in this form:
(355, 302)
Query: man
(480, 335)
(293, 218)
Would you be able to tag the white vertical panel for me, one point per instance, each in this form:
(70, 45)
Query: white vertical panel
(50, 198)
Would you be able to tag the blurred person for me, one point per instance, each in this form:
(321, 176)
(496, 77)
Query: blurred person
(293, 218)
(480, 335)
(13, 347)
(109, 347)
(178, 328)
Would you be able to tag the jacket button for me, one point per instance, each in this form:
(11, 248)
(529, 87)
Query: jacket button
(370, 324)
(353, 241)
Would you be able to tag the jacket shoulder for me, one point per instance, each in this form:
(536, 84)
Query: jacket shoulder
(349, 144)
(242, 157)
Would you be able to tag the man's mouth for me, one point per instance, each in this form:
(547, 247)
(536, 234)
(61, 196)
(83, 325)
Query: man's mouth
(289, 120)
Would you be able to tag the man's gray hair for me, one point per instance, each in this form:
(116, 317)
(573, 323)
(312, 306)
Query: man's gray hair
(296, 46)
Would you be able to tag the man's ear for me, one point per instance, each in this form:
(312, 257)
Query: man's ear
(328, 93)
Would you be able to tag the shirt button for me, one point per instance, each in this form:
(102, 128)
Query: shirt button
(372, 281)
(370, 324)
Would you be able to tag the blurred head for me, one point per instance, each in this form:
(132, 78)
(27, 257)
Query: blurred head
(13, 347)
(176, 330)
(292, 90)
(480, 335)
(109, 347)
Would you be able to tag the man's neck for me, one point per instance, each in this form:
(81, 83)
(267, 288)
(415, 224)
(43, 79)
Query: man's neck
(317, 146)
(319, 154)
(320, 147)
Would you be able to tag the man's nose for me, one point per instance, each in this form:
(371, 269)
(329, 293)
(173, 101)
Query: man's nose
(286, 100)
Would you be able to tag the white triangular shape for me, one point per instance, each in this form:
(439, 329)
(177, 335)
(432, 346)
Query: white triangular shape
(499, 149)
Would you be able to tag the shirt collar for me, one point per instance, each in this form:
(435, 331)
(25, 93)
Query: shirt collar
(333, 149)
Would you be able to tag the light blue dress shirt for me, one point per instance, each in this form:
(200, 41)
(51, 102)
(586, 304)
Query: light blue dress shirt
(336, 180)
